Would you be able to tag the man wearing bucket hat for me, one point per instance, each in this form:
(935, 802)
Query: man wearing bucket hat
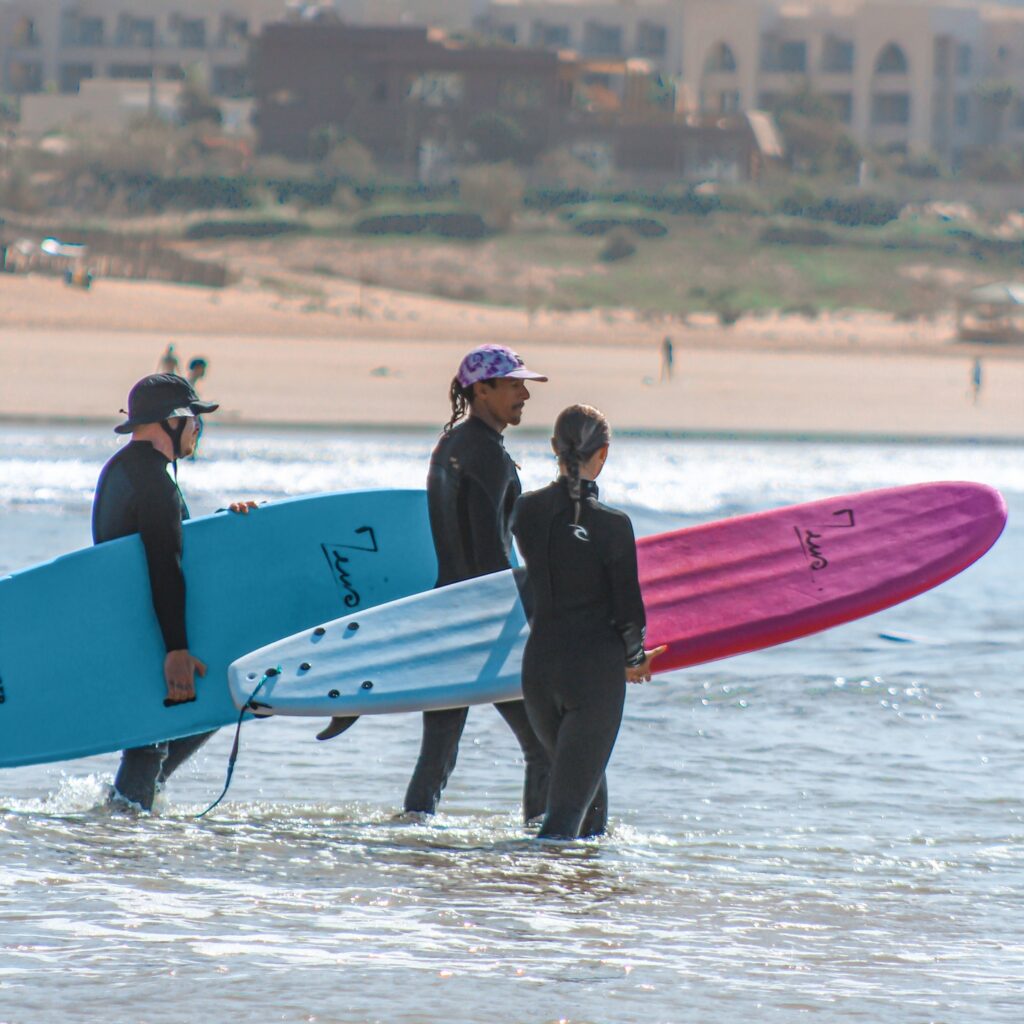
(135, 494)
(472, 485)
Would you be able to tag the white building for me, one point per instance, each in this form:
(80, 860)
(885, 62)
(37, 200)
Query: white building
(940, 76)
(902, 75)
(53, 45)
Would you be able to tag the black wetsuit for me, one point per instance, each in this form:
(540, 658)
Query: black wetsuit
(134, 494)
(472, 487)
(587, 624)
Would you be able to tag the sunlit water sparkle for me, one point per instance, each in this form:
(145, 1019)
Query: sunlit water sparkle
(830, 830)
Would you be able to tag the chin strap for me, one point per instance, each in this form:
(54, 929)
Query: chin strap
(174, 433)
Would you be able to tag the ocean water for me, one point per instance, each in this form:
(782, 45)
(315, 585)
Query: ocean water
(832, 830)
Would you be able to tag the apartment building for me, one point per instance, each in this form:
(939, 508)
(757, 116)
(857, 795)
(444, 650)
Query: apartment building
(413, 96)
(395, 88)
(54, 45)
(942, 77)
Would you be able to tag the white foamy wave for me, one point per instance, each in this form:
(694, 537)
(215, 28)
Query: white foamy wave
(50, 467)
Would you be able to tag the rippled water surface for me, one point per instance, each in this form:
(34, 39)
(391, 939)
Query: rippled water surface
(832, 830)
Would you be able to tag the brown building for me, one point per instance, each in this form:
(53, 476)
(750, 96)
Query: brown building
(396, 90)
(417, 99)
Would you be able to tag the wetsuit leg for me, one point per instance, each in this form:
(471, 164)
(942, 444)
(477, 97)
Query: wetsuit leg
(595, 821)
(136, 778)
(442, 731)
(586, 736)
(538, 762)
(574, 695)
(543, 711)
(179, 751)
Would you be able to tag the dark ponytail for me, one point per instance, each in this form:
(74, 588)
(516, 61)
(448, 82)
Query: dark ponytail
(461, 398)
(580, 431)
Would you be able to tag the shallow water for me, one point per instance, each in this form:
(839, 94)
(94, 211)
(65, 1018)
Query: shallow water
(830, 830)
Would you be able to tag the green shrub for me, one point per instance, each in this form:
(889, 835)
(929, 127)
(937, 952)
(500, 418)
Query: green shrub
(495, 191)
(854, 211)
(242, 229)
(996, 166)
(600, 218)
(450, 223)
(617, 247)
(496, 138)
(794, 234)
(743, 200)
(920, 165)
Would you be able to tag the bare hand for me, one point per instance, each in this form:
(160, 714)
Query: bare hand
(642, 673)
(242, 507)
(180, 669)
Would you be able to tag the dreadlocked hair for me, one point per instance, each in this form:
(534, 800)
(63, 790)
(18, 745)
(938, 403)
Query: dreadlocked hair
(580, 431)
(461, 399)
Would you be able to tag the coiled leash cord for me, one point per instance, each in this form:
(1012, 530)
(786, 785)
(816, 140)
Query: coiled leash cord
(233, 756)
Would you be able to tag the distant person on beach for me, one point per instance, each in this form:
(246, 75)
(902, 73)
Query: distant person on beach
(168, 361)
(135, 494)
(197, 370)
(472, 486)
(587, 627)
(666, 358)
(976, 378)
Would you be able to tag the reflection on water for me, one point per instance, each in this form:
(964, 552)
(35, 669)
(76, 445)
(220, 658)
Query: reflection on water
(830, 830)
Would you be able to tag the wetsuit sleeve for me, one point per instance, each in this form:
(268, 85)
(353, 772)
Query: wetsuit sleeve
(627, 603)
(160, 530)
(484, 546)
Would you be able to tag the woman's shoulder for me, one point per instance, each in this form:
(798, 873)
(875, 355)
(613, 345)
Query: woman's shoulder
(613, 519)
(538, 501)
(539, 497)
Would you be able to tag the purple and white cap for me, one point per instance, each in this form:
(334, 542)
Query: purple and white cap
(487, 362)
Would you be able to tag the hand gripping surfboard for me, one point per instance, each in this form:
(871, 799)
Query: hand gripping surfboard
(710, 591)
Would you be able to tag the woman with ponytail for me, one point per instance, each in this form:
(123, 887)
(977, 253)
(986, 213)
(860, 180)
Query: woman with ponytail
(587, 624)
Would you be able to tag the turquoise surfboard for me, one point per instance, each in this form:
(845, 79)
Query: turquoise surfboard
(81, 657)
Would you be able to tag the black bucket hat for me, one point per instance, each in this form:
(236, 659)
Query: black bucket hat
(161, 396)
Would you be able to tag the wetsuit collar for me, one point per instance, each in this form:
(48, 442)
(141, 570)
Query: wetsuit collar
(137, 444)
(479, 424)
(588, 488)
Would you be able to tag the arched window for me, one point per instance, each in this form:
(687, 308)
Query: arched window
(721, 58)
(892, 61)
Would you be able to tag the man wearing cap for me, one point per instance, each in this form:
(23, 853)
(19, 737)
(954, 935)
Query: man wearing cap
(135, 494)
(472, 485)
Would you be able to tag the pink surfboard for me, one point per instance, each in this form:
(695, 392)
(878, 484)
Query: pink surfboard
(710, 591)
(742, 584)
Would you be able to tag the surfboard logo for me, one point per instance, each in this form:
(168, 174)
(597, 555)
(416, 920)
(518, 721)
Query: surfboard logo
(2, 697)
(812, 540)
(339, 563)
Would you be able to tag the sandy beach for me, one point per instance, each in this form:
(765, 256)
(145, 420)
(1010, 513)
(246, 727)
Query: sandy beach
(373, 356)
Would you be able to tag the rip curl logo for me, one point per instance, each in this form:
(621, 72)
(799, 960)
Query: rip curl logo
(339, 563)
(580, 532)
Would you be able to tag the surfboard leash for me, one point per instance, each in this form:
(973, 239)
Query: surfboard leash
(233, 756)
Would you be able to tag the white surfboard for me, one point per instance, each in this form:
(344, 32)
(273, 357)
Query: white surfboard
(461, 644)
